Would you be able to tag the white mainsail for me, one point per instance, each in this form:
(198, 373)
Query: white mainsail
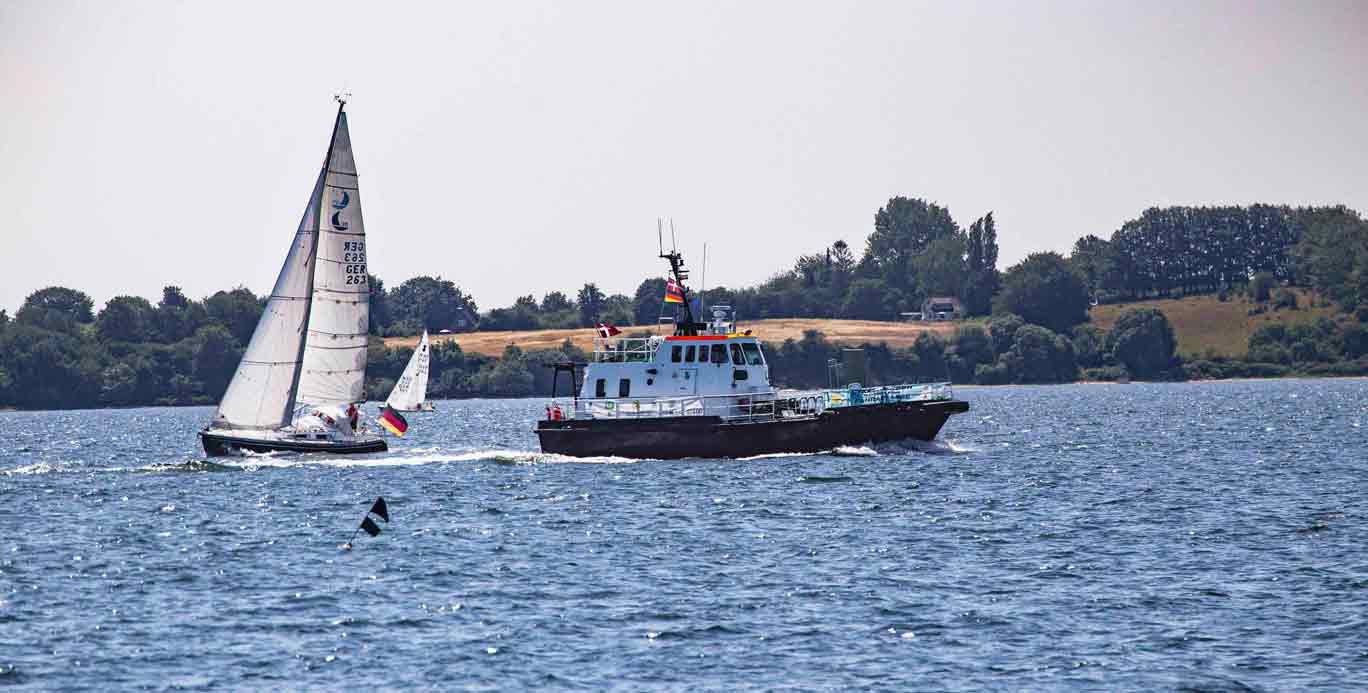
(334, 367)
(309, 347)
(411, 389)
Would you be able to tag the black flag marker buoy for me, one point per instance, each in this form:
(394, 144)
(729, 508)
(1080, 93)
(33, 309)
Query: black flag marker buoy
(379, 510)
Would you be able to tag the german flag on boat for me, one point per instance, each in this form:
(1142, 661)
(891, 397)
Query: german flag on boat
(393, 421)
(674, 293)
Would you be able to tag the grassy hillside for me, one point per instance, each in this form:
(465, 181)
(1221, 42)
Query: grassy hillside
(896, 334)
(1201, 323)
(1204, 322)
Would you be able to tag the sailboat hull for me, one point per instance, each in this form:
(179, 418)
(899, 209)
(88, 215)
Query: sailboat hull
(218, 445)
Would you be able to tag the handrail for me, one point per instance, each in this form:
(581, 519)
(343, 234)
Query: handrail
(750, 407)
(624, 349)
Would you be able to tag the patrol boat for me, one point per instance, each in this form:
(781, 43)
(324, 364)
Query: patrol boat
(705, 391)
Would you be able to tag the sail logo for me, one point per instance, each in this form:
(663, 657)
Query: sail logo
(340, 204)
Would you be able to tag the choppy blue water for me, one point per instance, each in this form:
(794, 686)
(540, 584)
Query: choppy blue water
(1207, 536)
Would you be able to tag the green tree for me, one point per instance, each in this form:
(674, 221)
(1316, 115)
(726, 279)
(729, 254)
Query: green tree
(930, 353)
(49, 369)
(238, 311)
(126, 319)
(868, 299)
(556, 302)
(940, 269)
(434, 304)
(1332, 255)
(972, 346)
(1045, 290)
(216, 358)
(982, 280)
(379, 316)
(56, 308)
(1040, 356)
(842, 273)
(177, 316)
(506, 377)
(1088, 342)
(1354, 341)
(1003, 329)
(903, 229)
(119, 385)
(648, 302)
(616, 310)
(590, 304)
(1092, 256)
(1142, 340)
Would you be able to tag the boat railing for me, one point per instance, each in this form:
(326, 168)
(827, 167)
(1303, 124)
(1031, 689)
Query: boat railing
(753, 407)
(624, 350)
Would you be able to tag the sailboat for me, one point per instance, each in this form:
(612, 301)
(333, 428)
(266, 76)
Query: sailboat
(410, 393)
(299, 381)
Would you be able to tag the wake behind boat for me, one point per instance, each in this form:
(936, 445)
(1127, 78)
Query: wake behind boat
(705, 392)
(301, 377)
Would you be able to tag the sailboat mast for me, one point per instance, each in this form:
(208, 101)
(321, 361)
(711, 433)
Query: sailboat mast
(312, 262)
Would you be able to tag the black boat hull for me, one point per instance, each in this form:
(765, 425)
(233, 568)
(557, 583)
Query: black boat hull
(711, 437)
(216, 445)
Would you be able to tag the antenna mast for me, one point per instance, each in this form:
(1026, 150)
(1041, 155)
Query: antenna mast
(687, 327)
(703, 280)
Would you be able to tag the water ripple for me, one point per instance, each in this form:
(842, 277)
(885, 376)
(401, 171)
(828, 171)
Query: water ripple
(1197, 536)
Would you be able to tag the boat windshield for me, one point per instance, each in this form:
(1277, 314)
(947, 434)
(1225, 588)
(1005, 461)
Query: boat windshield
(753, 357)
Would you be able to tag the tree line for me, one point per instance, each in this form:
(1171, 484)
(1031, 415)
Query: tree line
(57, 352)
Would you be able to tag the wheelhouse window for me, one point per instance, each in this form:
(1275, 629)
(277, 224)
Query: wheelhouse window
(738, 358)
(676, 353)
(753, 357)
(689, 354)
(625, 387)
(600, 388)
(719, 353)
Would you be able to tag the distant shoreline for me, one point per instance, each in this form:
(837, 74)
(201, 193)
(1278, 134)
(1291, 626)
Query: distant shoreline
(12, 410)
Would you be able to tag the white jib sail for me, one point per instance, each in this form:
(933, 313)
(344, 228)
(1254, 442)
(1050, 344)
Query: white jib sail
(335, 347)
(411, 389)
(260, 394)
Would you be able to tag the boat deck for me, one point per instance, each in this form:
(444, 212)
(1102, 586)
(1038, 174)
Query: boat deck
(749, 407)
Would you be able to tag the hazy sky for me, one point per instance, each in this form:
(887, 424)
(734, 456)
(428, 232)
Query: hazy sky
(519, 148)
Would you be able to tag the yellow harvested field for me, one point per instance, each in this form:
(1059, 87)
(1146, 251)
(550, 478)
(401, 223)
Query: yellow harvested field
(896, 334)
(1199, 322)
(1203, 323)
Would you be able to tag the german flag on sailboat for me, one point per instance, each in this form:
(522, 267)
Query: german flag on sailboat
(674, 293)
(393, 421)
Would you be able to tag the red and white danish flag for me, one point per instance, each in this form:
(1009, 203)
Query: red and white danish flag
(605, 330)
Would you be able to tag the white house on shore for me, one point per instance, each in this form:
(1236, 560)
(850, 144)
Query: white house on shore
(937, 308)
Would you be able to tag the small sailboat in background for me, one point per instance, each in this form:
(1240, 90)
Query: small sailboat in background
(410, 393)
(301, 377)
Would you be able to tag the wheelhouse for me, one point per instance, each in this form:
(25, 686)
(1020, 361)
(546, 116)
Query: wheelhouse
(717, 362)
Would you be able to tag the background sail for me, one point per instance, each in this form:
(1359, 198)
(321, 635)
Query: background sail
(411, 389)
(259, 395)
(335, 347)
